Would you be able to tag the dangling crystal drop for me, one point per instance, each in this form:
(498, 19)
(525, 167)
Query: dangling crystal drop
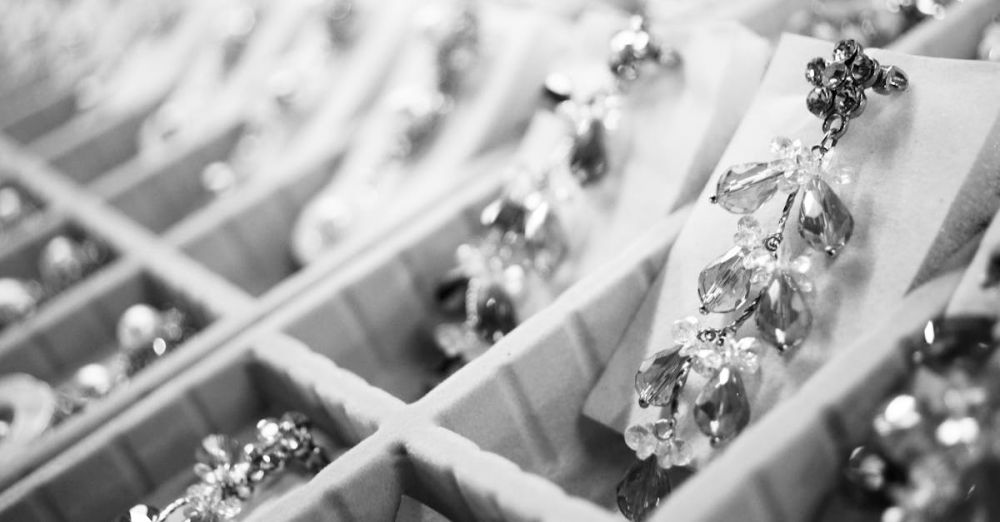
(743, 188)
(642, 488)
(661, 377)
(721, 409)
(589, 158)
(824, 221)
(724, 285)
(783, 316)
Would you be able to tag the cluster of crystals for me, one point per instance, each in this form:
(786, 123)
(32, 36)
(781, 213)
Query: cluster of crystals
(144, 334)
(62, 262)
(634, 47)
(229, 472)
(933, 444)
(658, 438)
(824, 221)
(525, 242)
(839, 85)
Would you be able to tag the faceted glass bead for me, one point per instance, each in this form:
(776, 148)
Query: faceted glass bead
(783, 317)
(721, 409)
(660, 378)
(495, 313)
(814, 71)
(140, 513)
(642, 488)
(743, 188)
(589, 157)
(724, 285)
(824, 221)
(946, 341)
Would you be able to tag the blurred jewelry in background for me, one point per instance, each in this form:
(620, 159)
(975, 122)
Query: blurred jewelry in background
(62, 262)
(872, 23)
(989, 48)
(16, 206)
(300, 81)
(504, 274)
(144, 334)
(450, 37)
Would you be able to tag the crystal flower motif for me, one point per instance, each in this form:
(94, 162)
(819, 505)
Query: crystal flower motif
(708, 357)
(225, 480)
(801, 164)
(660, 439)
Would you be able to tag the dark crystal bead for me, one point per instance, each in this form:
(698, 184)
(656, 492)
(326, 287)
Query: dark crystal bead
(140, 513)
(495, 313)
(835, 75)
(966, 340)
(819, 101)
(642, 488)
(589, 158)
(867, 475)
(814, 71)
(506, 216)
(450, 294)
(864, 71)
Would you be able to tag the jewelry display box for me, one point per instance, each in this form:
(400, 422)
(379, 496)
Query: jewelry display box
(347, 339)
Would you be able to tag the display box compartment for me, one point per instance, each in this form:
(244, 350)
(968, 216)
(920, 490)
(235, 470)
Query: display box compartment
(158, 193)
(375, 317)
(79, 327)
(36, 109)
(93, 142)
(145, 454)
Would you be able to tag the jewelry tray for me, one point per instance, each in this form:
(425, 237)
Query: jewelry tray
(340, 340)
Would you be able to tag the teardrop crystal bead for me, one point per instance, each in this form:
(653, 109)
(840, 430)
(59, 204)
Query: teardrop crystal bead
(642, 488)
(783, 316)
(721, 409)
(589, 158)
(724, 285)
(824, 221)
(743, 188)
(661, 377)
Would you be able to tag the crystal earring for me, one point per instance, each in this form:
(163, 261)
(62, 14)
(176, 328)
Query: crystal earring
(229, 473)
(525, 241)
(750, 281)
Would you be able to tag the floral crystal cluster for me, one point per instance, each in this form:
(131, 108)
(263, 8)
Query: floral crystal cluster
(229, 473)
